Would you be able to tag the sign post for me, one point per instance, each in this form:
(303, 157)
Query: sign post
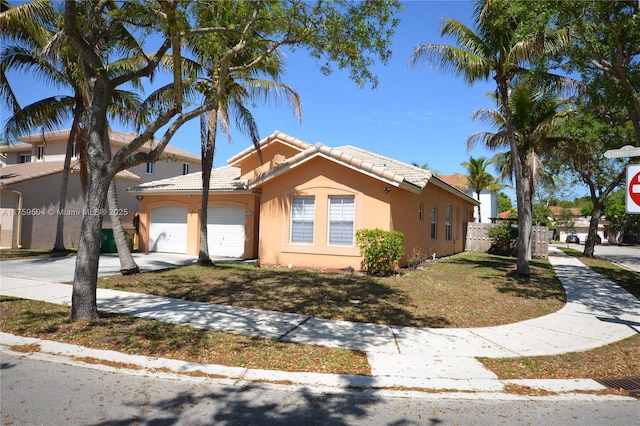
(633, 176)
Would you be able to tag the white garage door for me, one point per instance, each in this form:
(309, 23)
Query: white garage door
(225, 231)
(168, 231)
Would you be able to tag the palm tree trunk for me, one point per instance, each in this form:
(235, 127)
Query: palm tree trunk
(58, 245)
(128, 265)
(523, 243)
(84, 295)
(208, 143)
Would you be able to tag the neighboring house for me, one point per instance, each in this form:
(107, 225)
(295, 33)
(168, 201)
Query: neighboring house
(30, 188)
(579, 224)
(488, 199)
(301, 206)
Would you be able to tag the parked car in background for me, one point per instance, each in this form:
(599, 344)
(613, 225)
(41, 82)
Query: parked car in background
(572, 239)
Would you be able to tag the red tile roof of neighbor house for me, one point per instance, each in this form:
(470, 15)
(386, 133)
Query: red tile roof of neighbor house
(392, 171)
(557, 210)
(456, 180)
(116, 138)
(16, 173)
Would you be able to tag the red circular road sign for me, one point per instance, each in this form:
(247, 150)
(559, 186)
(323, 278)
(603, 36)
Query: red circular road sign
(634, 188)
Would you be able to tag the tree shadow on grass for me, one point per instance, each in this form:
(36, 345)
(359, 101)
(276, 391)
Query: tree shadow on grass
(336, 295)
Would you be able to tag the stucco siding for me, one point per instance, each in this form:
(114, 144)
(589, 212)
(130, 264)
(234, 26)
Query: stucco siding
(321, 179)
(251, 166)
(40, 196)
(164, 169)
(411, 215)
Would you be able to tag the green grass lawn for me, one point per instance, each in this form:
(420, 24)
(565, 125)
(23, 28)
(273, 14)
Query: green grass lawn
(465, 290)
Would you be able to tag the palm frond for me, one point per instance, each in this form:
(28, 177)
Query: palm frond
(48, 114)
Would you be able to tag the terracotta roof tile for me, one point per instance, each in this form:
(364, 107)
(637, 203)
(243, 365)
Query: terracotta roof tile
(117, 138)
(16, 173)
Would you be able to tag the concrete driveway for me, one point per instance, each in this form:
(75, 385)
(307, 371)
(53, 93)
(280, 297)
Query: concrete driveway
(61, 269)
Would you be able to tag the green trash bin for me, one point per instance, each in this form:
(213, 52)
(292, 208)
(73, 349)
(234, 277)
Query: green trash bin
(108, 242)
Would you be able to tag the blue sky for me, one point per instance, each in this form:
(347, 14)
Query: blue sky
(419, 115)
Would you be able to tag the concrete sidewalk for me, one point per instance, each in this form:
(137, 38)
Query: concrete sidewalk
(596, 313)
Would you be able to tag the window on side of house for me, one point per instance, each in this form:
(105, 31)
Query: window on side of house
(74, 150)
(447, 223)
(150, 167)
(185, 168)
(434, 218)
(457, 223)
(40, 152)
(24, 158)
(303, 212)
(341, 220)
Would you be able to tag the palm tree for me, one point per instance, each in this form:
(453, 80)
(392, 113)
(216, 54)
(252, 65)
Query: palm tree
(37, 48)
(500, 48)
(536, 116)
(240, 89)
(225, 82)
(478, 177)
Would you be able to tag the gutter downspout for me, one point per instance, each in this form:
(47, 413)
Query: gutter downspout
(19, 210)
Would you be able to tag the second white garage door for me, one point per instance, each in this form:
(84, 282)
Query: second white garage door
(225, 231)
(168, 230)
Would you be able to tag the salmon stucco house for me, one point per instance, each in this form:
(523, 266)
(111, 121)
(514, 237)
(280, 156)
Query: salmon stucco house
(301, 204)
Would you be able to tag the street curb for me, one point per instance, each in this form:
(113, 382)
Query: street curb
(487, 389)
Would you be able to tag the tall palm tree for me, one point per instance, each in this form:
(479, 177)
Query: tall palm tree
(501, 47)
(225, 82)
(536, 116)
(240, 89)
(34, 30)
(478, 177)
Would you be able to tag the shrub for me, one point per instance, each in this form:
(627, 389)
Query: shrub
(418, 257)
(381, 250)
(503, 240)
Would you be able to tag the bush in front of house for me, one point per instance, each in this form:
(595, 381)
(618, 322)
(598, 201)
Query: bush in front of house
(381, 250)
(503, 240)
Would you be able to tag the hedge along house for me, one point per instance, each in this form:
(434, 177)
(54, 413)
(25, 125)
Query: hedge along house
(302, 204)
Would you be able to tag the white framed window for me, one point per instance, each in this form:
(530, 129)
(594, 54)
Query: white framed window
(24, 158)
(457, 223)
(40, 152)
(447, 223)
(303, 212)
(434, 219)
(185, 168)
(150, 167)
(341, 220)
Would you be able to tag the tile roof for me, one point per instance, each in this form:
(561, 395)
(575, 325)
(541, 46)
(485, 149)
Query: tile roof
(393, 171)
(222, 179)
(16, 173)
(456, 180)
(276, 135)
(117, 138)
(387, 169)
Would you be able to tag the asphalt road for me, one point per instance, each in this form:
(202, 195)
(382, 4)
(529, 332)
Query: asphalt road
(627, 256)
(45, 390)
